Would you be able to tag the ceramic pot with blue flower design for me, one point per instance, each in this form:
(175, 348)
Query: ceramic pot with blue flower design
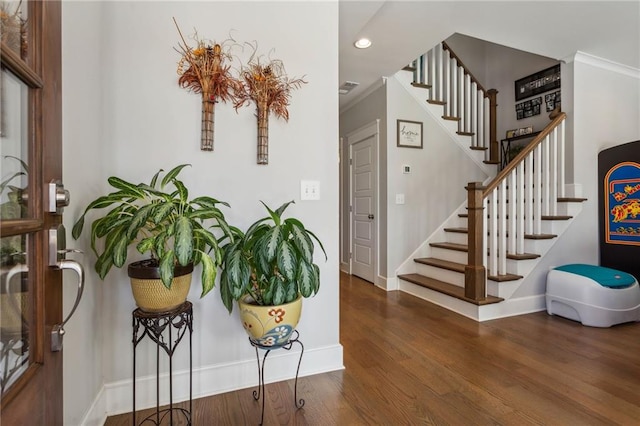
(270, 326)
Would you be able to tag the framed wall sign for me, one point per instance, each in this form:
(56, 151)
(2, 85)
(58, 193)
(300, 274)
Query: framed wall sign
(410, 134)
(540, 82)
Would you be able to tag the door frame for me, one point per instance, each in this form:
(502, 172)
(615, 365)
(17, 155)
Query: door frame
(369, 130)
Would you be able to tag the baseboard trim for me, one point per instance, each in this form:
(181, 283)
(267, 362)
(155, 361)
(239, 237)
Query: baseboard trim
(513, 307)
(344, 267)
(115, 398)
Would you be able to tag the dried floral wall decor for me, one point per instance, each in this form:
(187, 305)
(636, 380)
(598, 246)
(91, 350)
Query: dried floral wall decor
(13, 28)
(267, 85)
(202, 70)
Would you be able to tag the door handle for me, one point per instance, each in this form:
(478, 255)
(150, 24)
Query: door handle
(57, 259)
(370, 216)
(57, 332)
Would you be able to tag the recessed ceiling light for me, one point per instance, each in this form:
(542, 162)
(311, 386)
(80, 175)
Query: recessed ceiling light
(363, 43)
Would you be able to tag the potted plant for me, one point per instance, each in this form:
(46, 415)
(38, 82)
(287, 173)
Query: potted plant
(160, 220)
(268, 270)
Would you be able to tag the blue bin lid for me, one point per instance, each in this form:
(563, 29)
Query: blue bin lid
(606, 277)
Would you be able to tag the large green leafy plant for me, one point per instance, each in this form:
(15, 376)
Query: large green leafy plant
(272, 262)
(159, 219)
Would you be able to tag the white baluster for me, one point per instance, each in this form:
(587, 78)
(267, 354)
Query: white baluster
(467, 103)
(446, 81)
(544, 175)
(537, 190)
(553, 173)
(493, 236)
(453, 100)
(439, 96)
(473, 114)
(529, 193)
(485, 233)
(513, 217)
(561, 170)
(502, 228)
(520, 208)
(461, 99)
(487, 118)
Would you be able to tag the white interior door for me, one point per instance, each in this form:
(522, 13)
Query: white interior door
(363, 176)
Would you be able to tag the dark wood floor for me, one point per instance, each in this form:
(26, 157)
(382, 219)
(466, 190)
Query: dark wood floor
(409, 362)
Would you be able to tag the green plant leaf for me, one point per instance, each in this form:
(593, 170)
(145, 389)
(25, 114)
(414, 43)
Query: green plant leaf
(306, 279)
(183, 240)
(145, 245)
(272, 240)
(291, 289)
(103, 265)
(283, 207)
(209, 272)
(154, 180)
(77, 228)
(166, 268)
(319, 243)
(120, 250)
(162, 211)
(208, 202)
(238, 273)
(279, 293)
(126, 187)
(316, 270)
(301, 239)
(286, 260)
(139, 220)
(225, 292)
(172, 174)
(182, 191)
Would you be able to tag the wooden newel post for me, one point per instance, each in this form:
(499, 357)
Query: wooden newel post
(494, 151)
(475, 277)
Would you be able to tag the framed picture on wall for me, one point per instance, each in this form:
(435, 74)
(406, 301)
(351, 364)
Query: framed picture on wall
(540, 82)
(409, 134)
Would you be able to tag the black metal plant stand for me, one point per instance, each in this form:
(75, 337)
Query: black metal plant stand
(155, 325)
(257, 394)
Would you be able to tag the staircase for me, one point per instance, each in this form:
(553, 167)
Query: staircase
(479, 258)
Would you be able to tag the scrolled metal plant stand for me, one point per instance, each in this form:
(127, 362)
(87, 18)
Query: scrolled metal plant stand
(154, 325)
(258, 393)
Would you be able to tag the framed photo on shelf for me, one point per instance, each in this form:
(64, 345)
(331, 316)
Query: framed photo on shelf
(409, 134)
(540, 82)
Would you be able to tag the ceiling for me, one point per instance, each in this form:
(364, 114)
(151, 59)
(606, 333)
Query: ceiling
(403, 30)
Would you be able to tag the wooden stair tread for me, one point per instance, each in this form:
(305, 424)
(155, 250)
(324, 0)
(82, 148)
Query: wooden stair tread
(434, 102)
(441, 263)
(450, 118)
(476, 148)
(522, 256)
(462, 230)
(457, 230)
(450, 246)
(446, 288)
(541, 217)
(409, 68)
(421, 85)
(504, 277)
(571, 200)
(491, 161)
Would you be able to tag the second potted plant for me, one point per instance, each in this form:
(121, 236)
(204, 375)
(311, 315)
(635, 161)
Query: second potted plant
(268, 270)
(160, 220)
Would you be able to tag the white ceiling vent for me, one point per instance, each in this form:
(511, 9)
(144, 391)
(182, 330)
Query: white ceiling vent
(347, 87)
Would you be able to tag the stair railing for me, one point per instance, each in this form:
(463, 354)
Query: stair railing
(462, 96)
(513, 206)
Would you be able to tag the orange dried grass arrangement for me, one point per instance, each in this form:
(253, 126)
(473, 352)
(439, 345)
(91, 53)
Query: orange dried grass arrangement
(13, 28)
(202, 70)
(268, 86)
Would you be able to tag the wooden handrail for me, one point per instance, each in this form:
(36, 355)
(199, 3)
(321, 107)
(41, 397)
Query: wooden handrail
(526, 151)
(445, 46)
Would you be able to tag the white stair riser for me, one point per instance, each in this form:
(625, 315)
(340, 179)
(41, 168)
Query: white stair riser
(456, 237)
(502, 289)
(451, 277)
(450, 255)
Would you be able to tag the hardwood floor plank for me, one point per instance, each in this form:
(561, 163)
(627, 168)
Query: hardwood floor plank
(409, 362)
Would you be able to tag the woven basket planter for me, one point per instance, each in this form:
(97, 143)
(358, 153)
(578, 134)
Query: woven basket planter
(150, 293)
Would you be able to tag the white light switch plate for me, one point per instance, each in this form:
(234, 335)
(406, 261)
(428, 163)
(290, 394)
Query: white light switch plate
(399, 198)
(309, 190)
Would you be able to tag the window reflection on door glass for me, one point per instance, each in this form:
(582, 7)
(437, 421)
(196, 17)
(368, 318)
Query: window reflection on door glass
(13, 147)
(13, 26)
(14, 310)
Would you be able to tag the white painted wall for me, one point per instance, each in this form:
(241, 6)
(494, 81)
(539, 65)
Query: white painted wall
(604, 111)
(435, 186)
(498, 67)
(125, 115)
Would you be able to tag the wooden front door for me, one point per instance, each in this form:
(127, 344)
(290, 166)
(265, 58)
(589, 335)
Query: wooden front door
(30, 159)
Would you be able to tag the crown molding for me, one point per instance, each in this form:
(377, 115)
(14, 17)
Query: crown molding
(605, 64)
